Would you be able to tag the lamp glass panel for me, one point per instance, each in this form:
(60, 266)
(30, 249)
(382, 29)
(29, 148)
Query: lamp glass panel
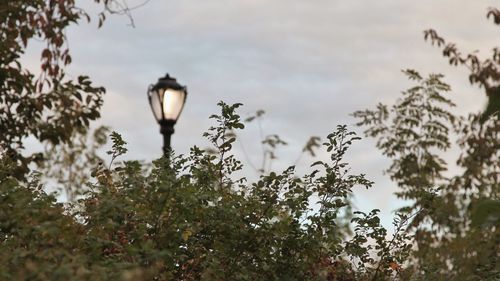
(173, 101)
(156, 105)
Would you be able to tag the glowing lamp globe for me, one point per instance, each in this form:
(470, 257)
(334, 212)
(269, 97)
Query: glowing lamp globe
(167, 98)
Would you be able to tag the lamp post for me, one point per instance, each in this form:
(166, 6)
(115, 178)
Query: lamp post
(167, 98)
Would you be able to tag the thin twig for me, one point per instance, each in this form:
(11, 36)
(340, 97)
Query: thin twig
(391, 243)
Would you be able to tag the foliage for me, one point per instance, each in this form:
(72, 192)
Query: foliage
(484, 73)
(456, 229)
(186, 218)
(411, 132)
(48, 106)
(415, 133)
(70, 164)
(457, 232)
(270, 144)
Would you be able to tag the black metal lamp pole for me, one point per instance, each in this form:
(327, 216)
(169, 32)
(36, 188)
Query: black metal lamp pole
(167, 130)
(167, 98)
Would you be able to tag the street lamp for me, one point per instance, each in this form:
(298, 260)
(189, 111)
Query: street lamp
(167, 98)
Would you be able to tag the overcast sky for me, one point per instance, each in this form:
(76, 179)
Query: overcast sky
(308, 64)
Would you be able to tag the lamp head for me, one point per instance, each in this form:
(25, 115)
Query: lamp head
(167, 98)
